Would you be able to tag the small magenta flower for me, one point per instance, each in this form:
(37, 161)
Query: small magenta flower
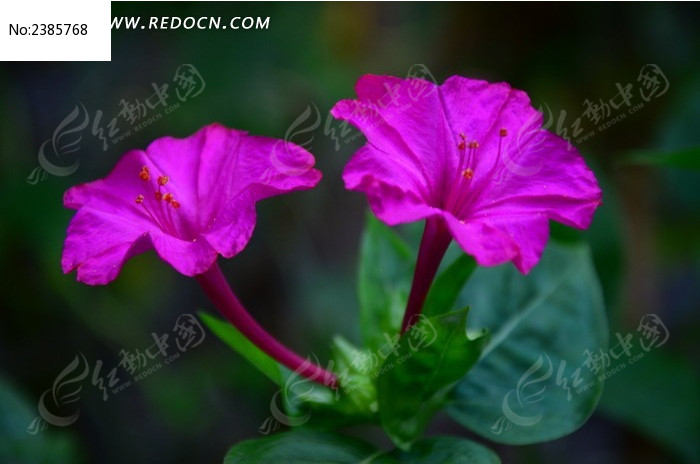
(190, 199)
(470, 157)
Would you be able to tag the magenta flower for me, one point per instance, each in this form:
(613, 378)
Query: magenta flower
(191, 199)
(472, 159)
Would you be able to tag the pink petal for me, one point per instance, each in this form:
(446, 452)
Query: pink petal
(527, 171)
(270, 166)
(487, 244)
(480, 110)
(520, 239)
(394, 202)
(200, 169)
(405, 126)
(117, 192)
(98, 244)
(544, 175)
(233, 227)
(187, 257)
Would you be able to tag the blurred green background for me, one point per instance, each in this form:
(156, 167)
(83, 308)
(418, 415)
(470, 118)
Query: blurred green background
(297, 275)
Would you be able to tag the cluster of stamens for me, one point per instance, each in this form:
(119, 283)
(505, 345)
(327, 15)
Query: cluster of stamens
(467, 153)
(159, 209)
(168, 198)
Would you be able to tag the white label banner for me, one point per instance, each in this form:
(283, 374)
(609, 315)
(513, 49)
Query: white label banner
(63, 30)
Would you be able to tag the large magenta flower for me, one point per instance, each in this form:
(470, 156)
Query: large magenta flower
(191, 199)
(472, 158)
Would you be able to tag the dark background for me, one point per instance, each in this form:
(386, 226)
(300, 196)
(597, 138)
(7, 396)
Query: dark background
(297, 275)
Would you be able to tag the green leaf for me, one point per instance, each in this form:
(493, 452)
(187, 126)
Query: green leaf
(233, 338)
(526, 387)
(303, 446)
(440, 450)
(300, 446)
(415, 378)
(683, 159)
(386, 268)
(448, 285)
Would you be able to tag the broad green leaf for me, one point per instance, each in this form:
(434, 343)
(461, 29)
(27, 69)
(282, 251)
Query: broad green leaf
(301, 446)
(448, 285)
(233, 338)
(658, 395)
(531, 384)
(682, 159)
(386, 269)
(440, 450)
(427, 362)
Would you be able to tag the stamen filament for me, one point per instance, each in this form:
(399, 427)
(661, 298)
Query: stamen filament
(461, 146)
(465, 176)
(170, 216)
(151, 215)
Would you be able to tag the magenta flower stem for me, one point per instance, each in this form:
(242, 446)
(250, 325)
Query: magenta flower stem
(433, 245)
(217, 289)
